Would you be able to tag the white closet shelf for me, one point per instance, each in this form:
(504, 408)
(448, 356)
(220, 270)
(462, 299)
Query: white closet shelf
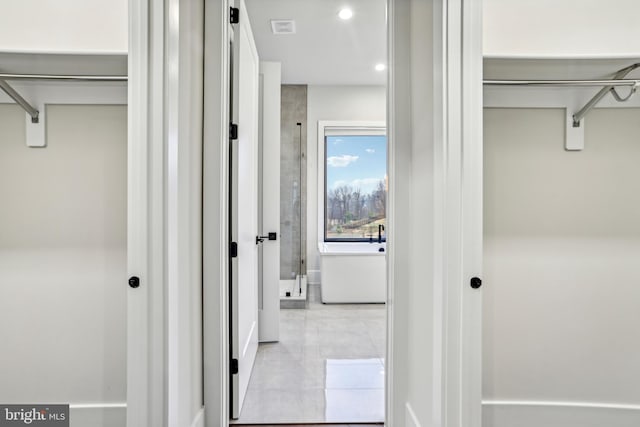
(63, 64)
(33, 80)
(555, 68)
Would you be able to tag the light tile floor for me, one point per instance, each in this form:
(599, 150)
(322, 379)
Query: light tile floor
(316, 425)
(327, 367)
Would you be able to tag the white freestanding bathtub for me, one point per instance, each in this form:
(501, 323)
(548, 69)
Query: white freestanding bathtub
(353, 272)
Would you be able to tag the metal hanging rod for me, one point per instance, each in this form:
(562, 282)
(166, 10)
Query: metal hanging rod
(34, 113)
(5, 76)
(568, 83)
(608, 86)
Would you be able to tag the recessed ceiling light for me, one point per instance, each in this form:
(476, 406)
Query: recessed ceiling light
(345, 14)
(381, 67)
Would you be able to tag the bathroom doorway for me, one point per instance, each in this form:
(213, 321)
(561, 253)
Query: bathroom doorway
(325, 360)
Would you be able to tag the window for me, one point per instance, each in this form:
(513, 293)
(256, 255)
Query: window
(355, 183)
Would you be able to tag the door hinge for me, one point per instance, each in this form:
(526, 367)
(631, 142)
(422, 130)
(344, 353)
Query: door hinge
(233, 131)
(233, 250)
(234, 15)
(234, 366)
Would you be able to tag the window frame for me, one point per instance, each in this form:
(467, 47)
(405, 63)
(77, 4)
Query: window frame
(334, 128)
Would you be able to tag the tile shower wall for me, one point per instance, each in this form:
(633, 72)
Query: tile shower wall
(293, 182)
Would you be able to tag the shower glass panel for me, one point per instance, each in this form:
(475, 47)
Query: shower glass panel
(293, 185)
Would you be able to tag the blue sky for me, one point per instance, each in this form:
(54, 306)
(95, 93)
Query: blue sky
(358, 161)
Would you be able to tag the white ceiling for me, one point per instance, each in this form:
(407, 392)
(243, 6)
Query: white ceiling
(325, 50)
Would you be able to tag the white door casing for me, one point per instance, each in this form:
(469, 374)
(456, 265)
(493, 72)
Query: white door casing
(146, 400)
(244, 208)
(435, 213)
(164, 344)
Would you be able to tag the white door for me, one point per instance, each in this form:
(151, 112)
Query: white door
(244, 210)
(269, 223)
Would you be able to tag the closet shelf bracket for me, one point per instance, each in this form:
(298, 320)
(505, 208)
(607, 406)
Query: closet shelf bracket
(577, 117)
(11, 92)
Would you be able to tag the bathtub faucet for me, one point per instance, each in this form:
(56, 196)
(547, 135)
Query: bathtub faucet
(380, 228)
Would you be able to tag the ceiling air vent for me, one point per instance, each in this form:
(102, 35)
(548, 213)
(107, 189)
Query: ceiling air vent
(283, 26)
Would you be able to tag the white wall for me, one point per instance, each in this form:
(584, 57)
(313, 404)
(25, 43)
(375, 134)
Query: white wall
(561, 28)
(64, 26)
(562, 244)
(523, 28)
(332, 103)
(63, 259)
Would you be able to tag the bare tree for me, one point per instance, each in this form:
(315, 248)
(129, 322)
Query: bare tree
(343, 194)
(346, 204)
(357, 203)
(380, 195)
(333, 205)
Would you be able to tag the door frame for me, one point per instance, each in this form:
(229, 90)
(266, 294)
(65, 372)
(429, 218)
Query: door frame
(164, 318)
(216, 300)
(145, 344)
(458, 124)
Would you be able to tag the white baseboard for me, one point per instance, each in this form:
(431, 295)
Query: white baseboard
(98, 415)
(411, 420)
(558, 414)
(109, 415)
(198, 421)
(313, 277)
